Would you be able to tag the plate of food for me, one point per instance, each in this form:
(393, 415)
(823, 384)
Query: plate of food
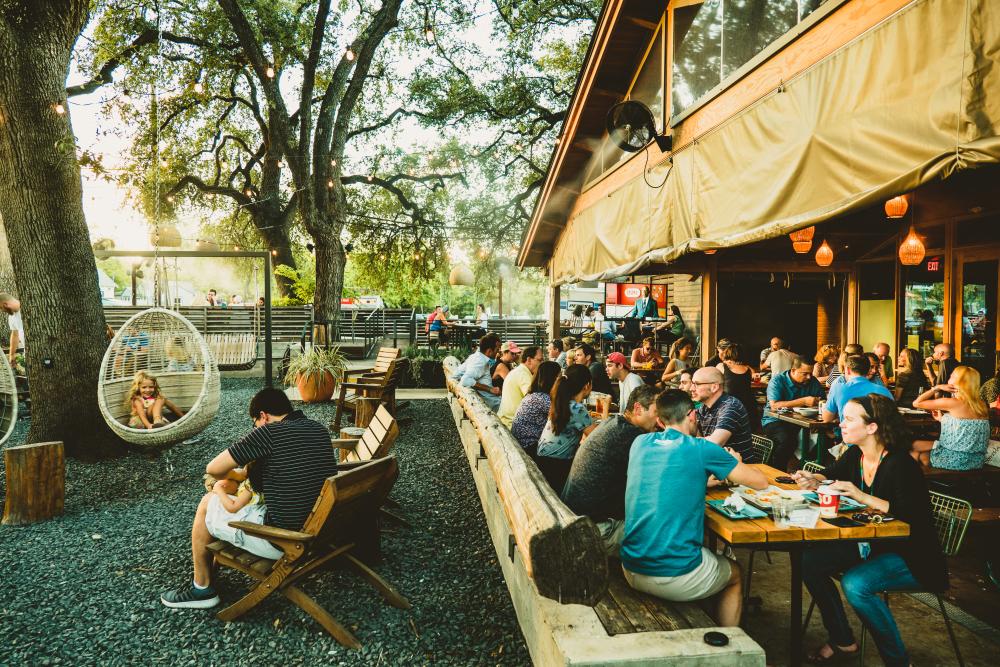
(807, 412)
(763, 499)
(747, 512)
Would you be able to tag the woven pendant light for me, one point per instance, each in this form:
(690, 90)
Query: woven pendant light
(802, 239)
(896, 207)
(711, 252)
(824, 256)
(911, 250)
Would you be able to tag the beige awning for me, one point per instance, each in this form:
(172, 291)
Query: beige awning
(914, 99)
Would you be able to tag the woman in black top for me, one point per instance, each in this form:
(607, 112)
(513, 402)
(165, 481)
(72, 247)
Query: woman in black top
(880, 473)
(738, 376)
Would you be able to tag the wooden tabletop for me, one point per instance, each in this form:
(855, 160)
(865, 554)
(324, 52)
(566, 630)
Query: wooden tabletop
(811, 423)
(742, 532)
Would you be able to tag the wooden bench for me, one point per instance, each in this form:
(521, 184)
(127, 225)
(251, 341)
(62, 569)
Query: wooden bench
(572, 608)
(346, 508)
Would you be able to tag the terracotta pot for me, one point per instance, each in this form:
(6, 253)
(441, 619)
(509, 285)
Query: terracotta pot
(315, 388)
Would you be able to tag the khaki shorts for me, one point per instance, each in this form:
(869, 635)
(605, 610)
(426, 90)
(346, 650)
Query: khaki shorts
(217, 520)
(702, 582)
(612, 532)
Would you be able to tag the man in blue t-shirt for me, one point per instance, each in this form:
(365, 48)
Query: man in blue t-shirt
(795, 388)
(668, 473)
(855, 385)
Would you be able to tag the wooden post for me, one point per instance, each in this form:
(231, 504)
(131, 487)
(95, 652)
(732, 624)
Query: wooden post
(853, 305)
(36, 483)
(709, 304)
(553, 314)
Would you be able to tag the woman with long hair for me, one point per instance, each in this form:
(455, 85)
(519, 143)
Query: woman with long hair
(826, 360)
(569, 420)
(671, 329)
(737, 377)
(877, 472)
(533, 413)
(965, 424)
(576, 322)
(909, 377)
(680, 351)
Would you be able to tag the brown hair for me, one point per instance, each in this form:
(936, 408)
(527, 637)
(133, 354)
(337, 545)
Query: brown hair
(567, 386)
(892, 431)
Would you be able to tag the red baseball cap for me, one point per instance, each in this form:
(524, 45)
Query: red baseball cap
(618, 358)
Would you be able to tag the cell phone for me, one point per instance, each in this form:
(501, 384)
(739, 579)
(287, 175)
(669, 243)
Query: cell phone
(843, 522)
(784, 479)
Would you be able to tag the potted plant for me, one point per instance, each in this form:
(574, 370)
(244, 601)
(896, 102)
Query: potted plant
(426, 371)
(316, 373)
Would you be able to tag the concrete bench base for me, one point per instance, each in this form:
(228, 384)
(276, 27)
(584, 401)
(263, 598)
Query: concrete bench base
(572, 634)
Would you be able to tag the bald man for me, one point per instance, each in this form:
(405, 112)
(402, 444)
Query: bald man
(722, 418)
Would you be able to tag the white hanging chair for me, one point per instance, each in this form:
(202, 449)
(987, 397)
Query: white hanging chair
(8, 400)
(167, 345)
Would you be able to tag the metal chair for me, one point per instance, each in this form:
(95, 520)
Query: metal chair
(951, 517)
(812, 466)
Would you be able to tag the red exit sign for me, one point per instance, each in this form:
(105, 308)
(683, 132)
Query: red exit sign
(934, 264)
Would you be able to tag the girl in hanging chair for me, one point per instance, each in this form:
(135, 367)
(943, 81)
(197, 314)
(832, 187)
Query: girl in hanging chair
(147, 403)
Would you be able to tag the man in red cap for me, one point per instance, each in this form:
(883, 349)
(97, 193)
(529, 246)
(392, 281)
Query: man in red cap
(618, 370)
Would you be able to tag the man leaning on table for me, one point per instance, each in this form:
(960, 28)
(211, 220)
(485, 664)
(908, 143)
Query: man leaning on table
(662, 552)
(795, 388)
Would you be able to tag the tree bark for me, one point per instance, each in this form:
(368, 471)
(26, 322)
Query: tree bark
(41, 202)
(274, 231)
(330, 261)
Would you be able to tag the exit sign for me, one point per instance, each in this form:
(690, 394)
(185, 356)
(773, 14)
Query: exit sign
(934, 264)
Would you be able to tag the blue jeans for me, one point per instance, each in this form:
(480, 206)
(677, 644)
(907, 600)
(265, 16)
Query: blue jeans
(862, 583)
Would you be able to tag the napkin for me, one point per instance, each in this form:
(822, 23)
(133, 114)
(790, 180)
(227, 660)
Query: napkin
(735, 502)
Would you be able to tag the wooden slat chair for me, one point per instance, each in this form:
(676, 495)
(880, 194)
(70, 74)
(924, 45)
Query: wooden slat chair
(345, 512)
(233, 351)
(382, 360)
(374, 443)
(380, 388)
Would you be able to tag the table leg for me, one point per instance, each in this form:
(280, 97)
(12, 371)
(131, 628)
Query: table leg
(804, 442)
(820, 446)
(795, 612)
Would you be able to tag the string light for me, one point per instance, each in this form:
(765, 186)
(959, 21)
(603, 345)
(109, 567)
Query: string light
(59, 108)
(349, 55)
(370, 178)
(333, 163)
(170, 199)
(269, 72)
(248, 192)
(329, 183)
(198, 87)
(274, 253)
(281, 165)
(164, 163)
(429, 34)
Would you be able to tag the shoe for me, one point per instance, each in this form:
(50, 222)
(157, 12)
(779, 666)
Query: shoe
(190, 598)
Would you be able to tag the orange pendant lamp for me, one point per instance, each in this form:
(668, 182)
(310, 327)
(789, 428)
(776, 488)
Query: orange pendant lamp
(911, 250)
(824, 256)
(896, 207)
(711, 252)
(802, 240)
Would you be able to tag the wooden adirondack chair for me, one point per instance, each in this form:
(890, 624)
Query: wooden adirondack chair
(379, 388)
(382, 360)
(374, 443)
(345, 513)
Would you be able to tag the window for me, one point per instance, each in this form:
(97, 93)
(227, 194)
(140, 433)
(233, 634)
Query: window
(714, 39)
(648, 86)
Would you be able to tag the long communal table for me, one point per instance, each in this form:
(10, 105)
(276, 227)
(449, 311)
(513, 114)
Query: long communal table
(766, 534)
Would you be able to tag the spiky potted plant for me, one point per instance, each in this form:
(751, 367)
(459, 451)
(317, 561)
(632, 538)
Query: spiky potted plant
(316, 373)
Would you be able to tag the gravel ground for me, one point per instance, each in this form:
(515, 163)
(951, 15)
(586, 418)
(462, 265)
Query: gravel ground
(84, 588)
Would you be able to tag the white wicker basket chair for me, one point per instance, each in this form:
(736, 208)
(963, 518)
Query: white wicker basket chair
(8, 400)
(167, 345)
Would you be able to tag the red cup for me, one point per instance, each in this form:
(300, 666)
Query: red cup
(829, 502)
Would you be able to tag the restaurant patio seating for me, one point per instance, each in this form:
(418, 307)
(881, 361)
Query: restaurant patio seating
(761, 447)
(951, 517)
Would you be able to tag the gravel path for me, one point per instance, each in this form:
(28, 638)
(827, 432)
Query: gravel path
(84, 588)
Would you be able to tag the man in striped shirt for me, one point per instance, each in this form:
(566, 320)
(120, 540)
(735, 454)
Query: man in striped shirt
(292, 457)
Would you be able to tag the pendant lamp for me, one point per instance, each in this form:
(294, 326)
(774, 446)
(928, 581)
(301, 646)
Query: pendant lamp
(824, 256)
(896, 207)
(711, 252)
(802, 239)
(461, 274)
(911, 250)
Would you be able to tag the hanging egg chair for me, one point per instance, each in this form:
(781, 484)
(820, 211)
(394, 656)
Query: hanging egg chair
(166, 345)
(8, 401)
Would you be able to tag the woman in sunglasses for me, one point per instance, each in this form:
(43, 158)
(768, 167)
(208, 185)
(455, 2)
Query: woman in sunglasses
(880, 473)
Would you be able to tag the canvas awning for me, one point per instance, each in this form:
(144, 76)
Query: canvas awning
(911, 100)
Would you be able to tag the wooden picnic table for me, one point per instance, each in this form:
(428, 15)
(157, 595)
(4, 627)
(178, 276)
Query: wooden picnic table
(766, 534)
(649, 375)
(464, 331)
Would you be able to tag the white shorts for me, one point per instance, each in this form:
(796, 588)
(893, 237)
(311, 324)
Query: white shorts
(217, 520)
(702, 582)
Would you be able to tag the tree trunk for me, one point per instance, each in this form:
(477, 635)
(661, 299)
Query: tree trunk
(276, 237)
(330, 261)
(41, 202)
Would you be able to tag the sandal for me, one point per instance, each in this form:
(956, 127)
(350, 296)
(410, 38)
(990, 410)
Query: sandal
(838, 655)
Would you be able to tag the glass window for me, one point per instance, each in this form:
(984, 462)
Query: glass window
(923, 308)
(648, 87)
(714, 39)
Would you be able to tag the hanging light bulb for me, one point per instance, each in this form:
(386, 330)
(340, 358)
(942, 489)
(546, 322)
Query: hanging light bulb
(281, 164)
(59, 108)
(482, 254)
(429, 33)
(712, 251)
(248, 192)
(371, 178)
(824, 256)
(896, 207)
(329, 183)
(269, 72)
(911, 250)
(350, 54)
(274, 253)
(802, 239)
(164, 163)
(333, 163)
(199, 87)
(170, 199)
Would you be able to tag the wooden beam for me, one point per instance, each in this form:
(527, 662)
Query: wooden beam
(951, 288)
(709, 301)
(553, 314)
(853, 306)
(769, 266)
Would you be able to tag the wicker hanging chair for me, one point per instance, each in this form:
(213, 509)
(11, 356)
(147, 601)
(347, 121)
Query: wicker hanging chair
(8, 400)
(167, 345)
